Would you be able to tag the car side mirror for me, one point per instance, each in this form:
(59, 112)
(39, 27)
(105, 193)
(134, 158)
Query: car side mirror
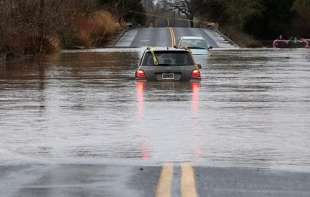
(210, 47)
(199, 66)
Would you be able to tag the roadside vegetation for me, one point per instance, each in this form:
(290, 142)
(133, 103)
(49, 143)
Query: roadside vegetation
(46, 26)
(250, 23)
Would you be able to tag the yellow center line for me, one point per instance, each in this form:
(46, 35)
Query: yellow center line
(188, 184)
(165, 181)
(173, 38)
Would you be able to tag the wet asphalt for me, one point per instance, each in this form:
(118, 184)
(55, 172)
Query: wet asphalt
(160, 37)
(90, 180)
(77, 181)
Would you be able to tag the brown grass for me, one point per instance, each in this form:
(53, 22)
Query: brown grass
(23, 34)
(95, 29)
(241, 38)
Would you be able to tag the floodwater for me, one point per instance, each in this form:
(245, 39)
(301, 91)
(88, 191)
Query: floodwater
(251, 109)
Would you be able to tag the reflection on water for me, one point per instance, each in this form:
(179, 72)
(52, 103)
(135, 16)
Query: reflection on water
(251, 109)
(140, 98)
(195, 97)
(158, 126)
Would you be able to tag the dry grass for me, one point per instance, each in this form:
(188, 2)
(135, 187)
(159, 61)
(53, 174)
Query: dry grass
(241, 38)
(95, 29)
(68, 25)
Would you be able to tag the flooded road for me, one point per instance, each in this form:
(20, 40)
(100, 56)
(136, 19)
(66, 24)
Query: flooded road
(252, 109)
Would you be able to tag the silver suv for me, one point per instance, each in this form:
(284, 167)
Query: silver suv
(168, 64)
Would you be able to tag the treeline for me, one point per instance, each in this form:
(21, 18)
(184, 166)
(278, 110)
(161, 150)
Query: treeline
(262, 19)
(44, 26)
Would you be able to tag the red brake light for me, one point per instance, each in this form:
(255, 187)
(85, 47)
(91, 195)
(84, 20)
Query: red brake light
(196, 74)
(140, 74)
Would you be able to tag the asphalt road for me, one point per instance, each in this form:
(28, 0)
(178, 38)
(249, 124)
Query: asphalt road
(163, 37)
(168, 181)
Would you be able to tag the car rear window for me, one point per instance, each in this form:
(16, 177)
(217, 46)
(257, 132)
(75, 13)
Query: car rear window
(168, 58)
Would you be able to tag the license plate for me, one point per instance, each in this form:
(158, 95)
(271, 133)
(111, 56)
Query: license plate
(168, 76)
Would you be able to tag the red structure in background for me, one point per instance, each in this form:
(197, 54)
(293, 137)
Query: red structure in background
(303, 43)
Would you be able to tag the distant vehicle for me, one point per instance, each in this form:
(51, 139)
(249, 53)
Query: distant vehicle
(168, 64)
(197, 45)
(129, 25)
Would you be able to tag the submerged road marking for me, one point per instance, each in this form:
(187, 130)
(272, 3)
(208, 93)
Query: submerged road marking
(173, 37)
(188, 185)
(165, 181)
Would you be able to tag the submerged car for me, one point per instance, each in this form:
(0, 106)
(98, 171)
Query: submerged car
(168, 64)
(197, 45)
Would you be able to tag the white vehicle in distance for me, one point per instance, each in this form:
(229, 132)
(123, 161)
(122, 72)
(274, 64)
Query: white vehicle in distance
(197, 45)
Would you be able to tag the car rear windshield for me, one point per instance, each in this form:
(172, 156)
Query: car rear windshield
(168, 58)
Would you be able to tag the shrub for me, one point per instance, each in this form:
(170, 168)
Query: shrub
(93, 30)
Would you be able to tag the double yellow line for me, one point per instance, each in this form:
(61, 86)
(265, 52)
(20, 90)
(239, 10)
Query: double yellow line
(173, 37)
(188, 183)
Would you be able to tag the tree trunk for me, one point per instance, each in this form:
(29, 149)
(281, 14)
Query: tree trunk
(191, 18)
(41, 25)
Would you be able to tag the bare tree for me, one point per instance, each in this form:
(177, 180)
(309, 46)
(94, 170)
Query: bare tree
(30, 26)
(43, 26)
(183, 7)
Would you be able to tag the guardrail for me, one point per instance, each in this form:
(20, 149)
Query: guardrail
(304, 43)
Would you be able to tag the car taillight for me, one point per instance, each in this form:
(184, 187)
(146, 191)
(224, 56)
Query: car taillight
(140, 74)
(196, 74)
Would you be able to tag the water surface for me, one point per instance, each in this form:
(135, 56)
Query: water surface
(252, 109)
